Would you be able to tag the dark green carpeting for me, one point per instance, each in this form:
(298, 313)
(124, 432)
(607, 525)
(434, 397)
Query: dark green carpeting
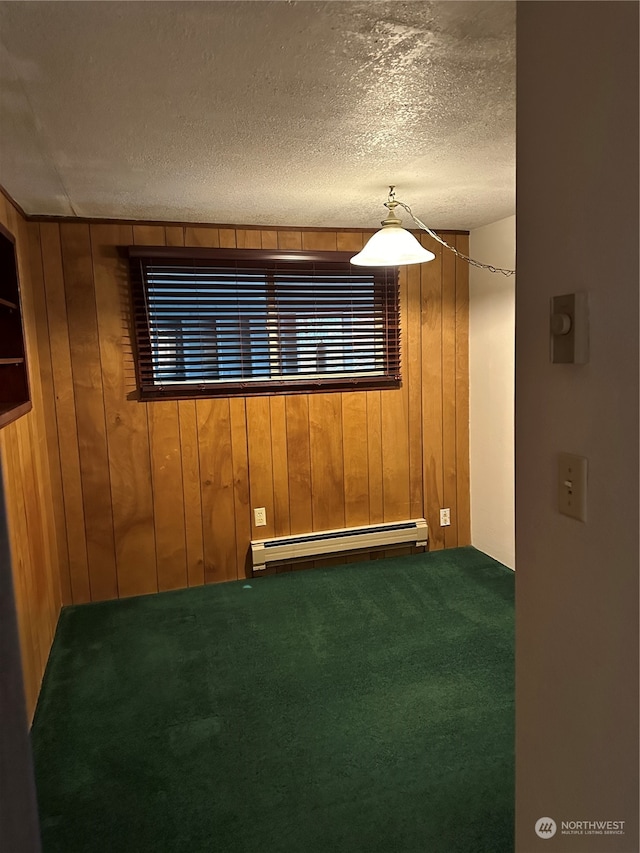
(357, 709)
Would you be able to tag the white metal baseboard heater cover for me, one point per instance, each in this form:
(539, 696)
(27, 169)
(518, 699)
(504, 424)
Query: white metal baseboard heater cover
(307, 545)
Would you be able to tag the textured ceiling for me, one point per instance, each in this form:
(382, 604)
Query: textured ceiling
(276, 113)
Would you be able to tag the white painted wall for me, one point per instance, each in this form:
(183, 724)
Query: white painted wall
(491, 390)
(577, 583)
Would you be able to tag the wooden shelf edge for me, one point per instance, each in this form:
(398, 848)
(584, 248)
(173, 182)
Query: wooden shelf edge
(12, 413)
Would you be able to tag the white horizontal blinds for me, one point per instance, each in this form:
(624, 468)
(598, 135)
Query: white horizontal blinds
(225, 323)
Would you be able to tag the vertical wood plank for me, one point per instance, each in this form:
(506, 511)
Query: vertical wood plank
(260, 463)
(395, 418)
(65, 407)
(374, 454)
(269, 239)
(216, 469)
(168, 494)
(148, 235)
(33, 432)
(395, 432)
(355, 458)
(395, 455)
(242, 509)
(126, 417)
(248, 238)
(289, 240)
(41, 529)
(46, 382)
(192, 491)
(35, 558)
(349, 241)
(26, 603)
(299, 464)
(282, 525)
(449, 395)
(227, 238)
(327, 473)
(462, 393)
(36, 551)
(21, 570)
(319, 241)
(431, 330)
(201, 236)
(413, 379)
(174, 235)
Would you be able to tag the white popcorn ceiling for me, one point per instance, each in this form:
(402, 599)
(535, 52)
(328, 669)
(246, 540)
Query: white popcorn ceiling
(277, 113)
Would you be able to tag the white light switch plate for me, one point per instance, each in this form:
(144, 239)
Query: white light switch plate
(572, 486)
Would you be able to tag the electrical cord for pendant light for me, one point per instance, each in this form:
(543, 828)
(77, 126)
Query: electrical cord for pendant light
(420, 224)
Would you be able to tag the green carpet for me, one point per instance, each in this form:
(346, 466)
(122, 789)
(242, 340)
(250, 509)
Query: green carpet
(358, 709)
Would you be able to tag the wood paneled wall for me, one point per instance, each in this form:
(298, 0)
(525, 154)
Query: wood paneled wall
(36, 551)
(159, 495)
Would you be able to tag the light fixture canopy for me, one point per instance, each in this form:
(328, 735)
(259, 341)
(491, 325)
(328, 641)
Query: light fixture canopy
(393, 245)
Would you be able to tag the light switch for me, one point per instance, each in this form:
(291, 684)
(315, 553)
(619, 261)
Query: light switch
(569, 329)
(572, 486)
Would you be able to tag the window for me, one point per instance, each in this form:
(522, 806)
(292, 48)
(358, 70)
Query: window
(221, 321)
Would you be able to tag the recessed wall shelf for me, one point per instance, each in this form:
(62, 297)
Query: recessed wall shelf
(15, 399)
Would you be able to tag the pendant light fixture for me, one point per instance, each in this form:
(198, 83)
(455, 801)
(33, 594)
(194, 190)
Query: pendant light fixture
(394, 246)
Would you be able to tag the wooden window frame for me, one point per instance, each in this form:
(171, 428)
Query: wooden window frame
(386, 291)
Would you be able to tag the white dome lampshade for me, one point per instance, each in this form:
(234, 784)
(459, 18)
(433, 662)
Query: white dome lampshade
(392, 246)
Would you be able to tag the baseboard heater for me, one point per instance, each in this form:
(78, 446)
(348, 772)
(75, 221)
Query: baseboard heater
(323, 542)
